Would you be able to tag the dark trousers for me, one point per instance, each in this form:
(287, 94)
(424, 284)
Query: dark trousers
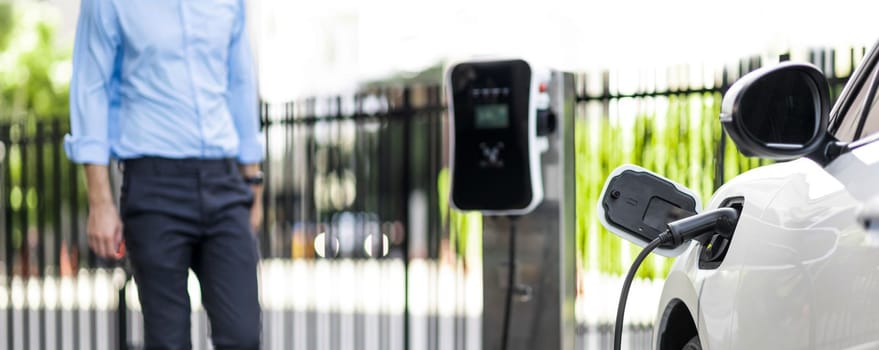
(191, 213)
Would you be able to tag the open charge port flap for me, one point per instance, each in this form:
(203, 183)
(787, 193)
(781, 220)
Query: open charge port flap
(643, 204)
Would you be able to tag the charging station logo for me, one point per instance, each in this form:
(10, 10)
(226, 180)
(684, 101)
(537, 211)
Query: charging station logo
(491, 155)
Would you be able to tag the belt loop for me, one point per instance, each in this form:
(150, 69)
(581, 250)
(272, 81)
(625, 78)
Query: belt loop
(156, 166)
(233, 165)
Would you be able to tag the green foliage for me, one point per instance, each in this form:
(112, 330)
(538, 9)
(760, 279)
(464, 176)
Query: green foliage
(34, 70)
(427, 76)
(465, 228)
(34, 80)
(5, 24)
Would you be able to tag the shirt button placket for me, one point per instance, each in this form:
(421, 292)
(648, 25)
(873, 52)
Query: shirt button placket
(187, 53)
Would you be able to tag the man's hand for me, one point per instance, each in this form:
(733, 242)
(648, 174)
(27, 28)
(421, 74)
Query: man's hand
(256, 211)
(104, 226)
(104, 230)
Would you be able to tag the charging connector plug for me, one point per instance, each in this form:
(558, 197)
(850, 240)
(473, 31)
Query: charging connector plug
(718, 221)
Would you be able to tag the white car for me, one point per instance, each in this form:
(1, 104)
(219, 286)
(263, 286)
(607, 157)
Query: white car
(801, 267)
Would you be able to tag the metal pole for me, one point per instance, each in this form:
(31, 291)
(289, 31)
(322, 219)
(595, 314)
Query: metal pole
(73, 198)
(407, 188)
(23, 248)
(55, 136)
(41, 225)
(7, 218)
(122, 318)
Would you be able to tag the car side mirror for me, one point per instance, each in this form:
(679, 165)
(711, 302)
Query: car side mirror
(779, 112)
(638, 205)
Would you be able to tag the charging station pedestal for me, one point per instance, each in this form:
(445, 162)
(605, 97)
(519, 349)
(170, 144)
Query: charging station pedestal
(512, 159)
(542, 315)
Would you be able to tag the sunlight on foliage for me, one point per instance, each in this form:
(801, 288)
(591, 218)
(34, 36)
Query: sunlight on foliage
(34, 68)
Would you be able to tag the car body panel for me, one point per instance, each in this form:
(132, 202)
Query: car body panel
(801, 271)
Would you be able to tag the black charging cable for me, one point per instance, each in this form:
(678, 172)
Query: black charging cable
(511, 284)
(627, 283)
(720, 221)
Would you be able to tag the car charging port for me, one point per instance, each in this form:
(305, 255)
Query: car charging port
(715, 246)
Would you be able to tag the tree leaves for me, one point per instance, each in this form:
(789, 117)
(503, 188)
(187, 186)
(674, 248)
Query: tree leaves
(30, 63)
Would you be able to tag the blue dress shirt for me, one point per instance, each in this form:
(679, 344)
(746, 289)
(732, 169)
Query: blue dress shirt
(164, 78)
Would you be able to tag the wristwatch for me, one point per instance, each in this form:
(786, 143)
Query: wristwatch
(256, 179)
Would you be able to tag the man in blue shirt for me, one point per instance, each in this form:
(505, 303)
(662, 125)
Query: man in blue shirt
(167, 87)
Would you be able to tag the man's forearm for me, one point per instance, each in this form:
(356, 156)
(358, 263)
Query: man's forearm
(98, 180)
(250, 170)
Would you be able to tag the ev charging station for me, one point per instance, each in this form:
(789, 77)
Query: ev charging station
(512, 158)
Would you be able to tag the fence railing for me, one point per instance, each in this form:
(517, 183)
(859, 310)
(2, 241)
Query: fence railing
(361, 249)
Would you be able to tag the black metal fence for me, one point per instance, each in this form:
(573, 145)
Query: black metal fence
(356, 178)
(361, 156)
(361, 250)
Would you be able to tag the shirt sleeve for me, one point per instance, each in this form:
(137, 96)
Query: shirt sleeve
(94, 56)
(241, 96)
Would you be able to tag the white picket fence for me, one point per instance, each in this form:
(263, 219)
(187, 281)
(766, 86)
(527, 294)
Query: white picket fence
(315, 305)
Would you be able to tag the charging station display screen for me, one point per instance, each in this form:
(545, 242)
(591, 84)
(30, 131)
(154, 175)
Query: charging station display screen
(492, 116)
(491, 140)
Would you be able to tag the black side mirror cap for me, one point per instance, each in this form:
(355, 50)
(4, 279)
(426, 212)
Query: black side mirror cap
(779, 112)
